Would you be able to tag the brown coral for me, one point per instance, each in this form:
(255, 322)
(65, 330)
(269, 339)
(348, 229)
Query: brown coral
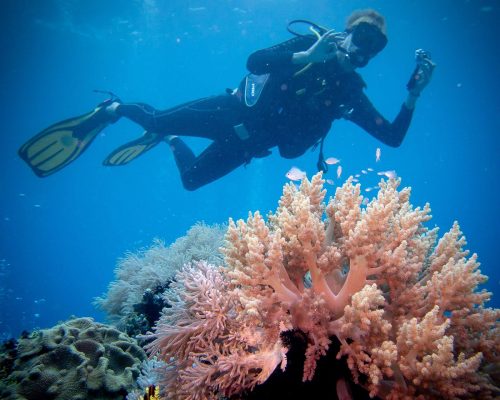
(78, 359)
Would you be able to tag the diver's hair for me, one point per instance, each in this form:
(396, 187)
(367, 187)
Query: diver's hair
(366, 15)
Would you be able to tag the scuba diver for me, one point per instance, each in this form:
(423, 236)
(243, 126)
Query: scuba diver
(293, 93)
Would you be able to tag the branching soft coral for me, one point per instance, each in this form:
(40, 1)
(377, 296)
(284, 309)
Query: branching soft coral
(405, 309)
(151, 269)
(207, 351)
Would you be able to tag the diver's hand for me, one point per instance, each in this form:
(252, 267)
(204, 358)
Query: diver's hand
(422, 74)
(323, 50)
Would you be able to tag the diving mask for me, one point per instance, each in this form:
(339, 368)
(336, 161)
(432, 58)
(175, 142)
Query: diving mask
(363, 42)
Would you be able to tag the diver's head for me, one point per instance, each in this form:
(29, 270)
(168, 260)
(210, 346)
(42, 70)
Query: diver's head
(365, 36)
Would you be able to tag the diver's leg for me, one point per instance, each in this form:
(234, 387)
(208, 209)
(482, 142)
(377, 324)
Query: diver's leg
(208, 117)
(215, 161)
(140, 113)
(183, 155)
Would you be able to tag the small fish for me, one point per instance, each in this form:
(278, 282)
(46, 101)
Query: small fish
(36, 315)
(295, 174)
(369, 169)
(363, 171)
(21, 195)
(330, 181)
(39, 301)
(332, 161)
(19, 298)
(368, 189)
(356, 180)
(357, 175)
(389, 174)
(365, 201)
(339, 171)
(36, 205)
(378, 152)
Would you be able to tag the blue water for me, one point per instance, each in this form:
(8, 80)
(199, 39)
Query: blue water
(60, 236)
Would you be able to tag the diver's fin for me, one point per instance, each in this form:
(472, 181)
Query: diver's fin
(63, 142)
(131, 150)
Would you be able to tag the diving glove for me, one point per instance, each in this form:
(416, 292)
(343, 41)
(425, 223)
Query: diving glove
(422, 74)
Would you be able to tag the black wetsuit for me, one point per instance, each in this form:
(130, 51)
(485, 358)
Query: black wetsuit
(294, 112)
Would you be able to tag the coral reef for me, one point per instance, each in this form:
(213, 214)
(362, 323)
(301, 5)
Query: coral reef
(134, 300)
(8, 354)
(404, 306)
(78, 359)
(148, 380)
(6, 314)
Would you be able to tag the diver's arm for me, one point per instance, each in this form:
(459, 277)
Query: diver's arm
(324, 49)
(278, 58)
(367, 117)
(411, 100)
(420, 77)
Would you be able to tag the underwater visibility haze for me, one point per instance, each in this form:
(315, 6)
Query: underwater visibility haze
(63, 235)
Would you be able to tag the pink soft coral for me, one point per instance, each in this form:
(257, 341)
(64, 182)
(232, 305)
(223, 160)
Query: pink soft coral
(207, 351)
(406, 311)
